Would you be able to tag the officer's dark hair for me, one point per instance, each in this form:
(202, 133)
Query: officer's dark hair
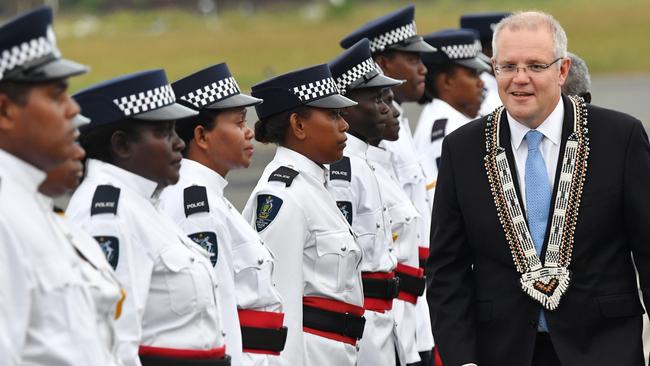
(97, 142)
(16, 91)
(433, 70)
(273, 129)
(185, 127)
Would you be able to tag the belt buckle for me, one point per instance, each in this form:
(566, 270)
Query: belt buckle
(394, 289)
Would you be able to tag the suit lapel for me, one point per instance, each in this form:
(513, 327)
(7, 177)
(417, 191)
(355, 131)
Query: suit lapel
(506, 143)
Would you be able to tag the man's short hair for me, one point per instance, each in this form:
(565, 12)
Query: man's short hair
(578, 82)
(531, 20)
(16, 91)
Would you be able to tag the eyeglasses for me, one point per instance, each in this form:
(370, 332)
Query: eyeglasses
(512, 69)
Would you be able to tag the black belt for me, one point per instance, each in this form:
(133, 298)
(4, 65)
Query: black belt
(170, 361)
(264, 338)
(344, 324)
(381, 288)
(411, 284)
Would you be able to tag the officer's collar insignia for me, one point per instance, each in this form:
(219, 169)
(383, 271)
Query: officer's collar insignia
(195, 200)
(208, 241)
(545, 282)
(341, 170)
(438, 129)
(105, 200)
(111, 247)
(283, 174)
(346, 210)
(268, 207)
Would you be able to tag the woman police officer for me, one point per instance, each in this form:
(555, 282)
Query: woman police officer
(316, 252)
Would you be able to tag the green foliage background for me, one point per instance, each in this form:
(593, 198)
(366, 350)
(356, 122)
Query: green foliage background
(612, 36)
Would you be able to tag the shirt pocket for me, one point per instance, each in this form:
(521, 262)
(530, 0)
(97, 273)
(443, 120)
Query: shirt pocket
(183, 279)
(253, 268)
(336, 266)
(367, 227)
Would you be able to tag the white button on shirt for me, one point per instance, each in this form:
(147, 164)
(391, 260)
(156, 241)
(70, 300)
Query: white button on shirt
(244, 265)
(551, 128)
(47, 315)
(170, 283)
(315, 252)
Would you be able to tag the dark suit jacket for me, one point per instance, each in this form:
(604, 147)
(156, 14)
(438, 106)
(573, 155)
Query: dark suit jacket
(478, 310)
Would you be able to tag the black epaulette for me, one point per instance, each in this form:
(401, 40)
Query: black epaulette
(341, 170)
(283, 174)
(105, 200)
(195, 200)
(438, 130)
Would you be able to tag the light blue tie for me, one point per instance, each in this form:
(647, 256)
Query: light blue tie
(538, 197)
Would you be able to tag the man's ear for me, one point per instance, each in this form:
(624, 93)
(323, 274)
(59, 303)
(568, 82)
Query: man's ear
(565, 66)
(8, 109)
(121, 146)
(297, 126)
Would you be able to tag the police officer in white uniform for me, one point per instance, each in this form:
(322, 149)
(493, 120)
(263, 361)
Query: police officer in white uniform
(396, 47)
(405, 230)
(217, 141)
(483, 24)
(106, 291)
(47, 314)
(452, 95)
(356, 188)
(171, 314)
(316, 252)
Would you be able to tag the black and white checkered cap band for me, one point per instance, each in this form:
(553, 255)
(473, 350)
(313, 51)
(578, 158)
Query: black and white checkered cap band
(394, 36)
(212, 93)
(354, 74)
(26, 52)
(146, 101)
(316, 89)
(460, 51)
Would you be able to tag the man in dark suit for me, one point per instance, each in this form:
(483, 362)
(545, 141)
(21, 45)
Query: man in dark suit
(530, 254)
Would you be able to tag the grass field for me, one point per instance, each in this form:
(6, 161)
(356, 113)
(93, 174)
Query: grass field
(612, 36)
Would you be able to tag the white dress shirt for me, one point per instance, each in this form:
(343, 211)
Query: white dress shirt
(170, 283)
(47, 314)
(404, 220)
(102, 282)
(551, 128)
(316, 254)
(413, 181)
(371, 222)
(244, 265)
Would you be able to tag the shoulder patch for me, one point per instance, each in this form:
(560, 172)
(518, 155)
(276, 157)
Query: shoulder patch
(346, 210)
(438, 130)
(195, 200)
(111, 247)
(208, 241)
(283, 174)
(105, 200)
(341, 170)
(268, 207)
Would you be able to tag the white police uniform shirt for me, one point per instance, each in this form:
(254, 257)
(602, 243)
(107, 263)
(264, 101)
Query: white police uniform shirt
(47, 315)
(492, 99)
(170, 282)
(316, 253)
(104, 287)
(438, 119)
(356, 189)
(243, 264)
(413, 181)
(404, 219)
